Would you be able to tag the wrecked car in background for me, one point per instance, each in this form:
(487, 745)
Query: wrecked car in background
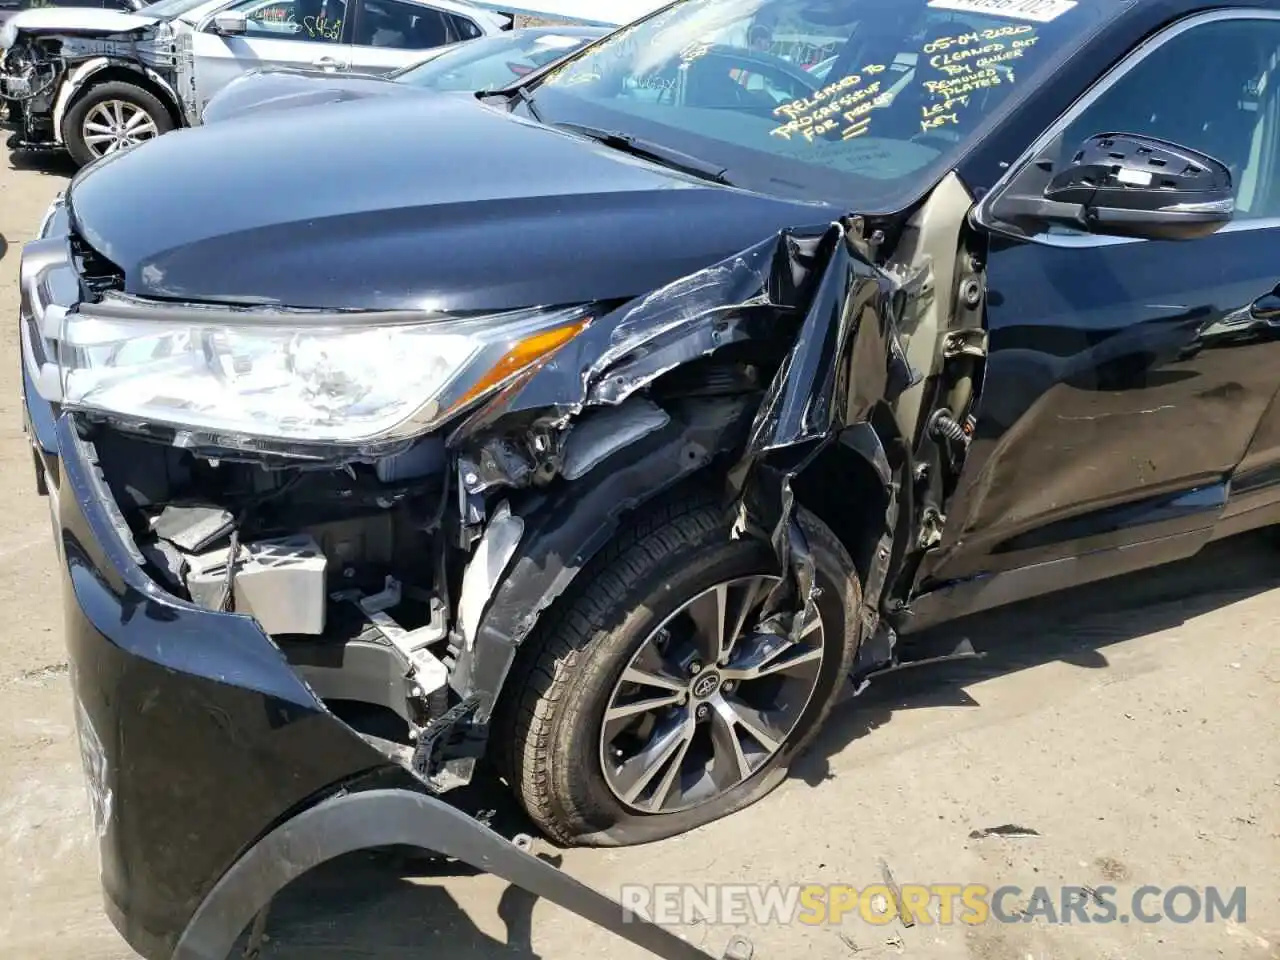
(609, 428)
(95, 81)
(482, 64)
(10, 8)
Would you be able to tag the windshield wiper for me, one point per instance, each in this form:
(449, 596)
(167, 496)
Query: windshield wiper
(520, 93)
(649, 150)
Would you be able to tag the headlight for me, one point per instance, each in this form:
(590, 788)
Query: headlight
(284, 378)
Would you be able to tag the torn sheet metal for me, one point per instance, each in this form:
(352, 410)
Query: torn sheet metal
(812, 297)
(624, 350)
(846, 360)
(755, 296)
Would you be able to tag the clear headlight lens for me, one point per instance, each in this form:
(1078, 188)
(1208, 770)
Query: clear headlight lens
(294, 381)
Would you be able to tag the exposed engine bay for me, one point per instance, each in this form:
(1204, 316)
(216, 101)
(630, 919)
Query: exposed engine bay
(371, 577)
(340, 567)
(44, 70)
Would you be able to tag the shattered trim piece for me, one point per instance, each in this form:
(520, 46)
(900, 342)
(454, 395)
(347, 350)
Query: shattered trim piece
(355, 821)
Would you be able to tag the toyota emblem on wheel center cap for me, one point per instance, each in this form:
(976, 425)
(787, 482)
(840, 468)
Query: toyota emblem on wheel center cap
(705, 685)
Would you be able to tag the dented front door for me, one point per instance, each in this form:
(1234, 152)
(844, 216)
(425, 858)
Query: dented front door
(1127, 378)
(1107, 418)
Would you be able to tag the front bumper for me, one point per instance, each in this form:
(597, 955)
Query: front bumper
(197, 736)
(215, 774)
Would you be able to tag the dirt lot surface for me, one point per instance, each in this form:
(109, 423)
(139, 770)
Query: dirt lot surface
(1134, 726)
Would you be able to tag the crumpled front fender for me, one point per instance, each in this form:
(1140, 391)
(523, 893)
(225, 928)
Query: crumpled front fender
(843, 358)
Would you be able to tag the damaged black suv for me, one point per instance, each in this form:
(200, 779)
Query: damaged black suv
(609, 428)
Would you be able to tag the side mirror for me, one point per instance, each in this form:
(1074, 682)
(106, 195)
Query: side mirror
(230, 23)
(1125, 185)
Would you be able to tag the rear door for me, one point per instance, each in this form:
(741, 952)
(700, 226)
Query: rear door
(307, 34)
(389, 34)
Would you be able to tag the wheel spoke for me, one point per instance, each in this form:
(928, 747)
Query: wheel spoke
(639, 771)
(652, 678)
(98, 128)
(772, 655)
(98, 138)
(751, 594)
(647, 705)
(117, 111)
(730, 763)
(708, 614)
(815, 623)
(669, 779)
(760, 729)
(136, 119)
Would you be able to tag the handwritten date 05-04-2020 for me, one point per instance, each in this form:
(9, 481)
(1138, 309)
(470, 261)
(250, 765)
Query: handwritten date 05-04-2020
(960, 65)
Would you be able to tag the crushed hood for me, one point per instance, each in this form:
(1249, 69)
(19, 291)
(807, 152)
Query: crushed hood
(81, 21)
(272, 90)
(433, 202)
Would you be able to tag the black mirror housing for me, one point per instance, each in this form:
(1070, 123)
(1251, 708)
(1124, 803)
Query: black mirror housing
(1126, 185)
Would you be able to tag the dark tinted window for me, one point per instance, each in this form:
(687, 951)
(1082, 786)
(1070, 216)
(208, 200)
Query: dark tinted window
(401, 26)
(1231, 111)
(463, 29)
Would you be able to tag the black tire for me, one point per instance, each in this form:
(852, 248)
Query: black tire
(113, 90)
(545, 736)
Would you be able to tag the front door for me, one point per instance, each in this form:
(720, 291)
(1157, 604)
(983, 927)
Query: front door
(302, 34)
(1126, 378)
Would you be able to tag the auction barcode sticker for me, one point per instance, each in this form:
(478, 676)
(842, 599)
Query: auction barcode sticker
(1038, 11)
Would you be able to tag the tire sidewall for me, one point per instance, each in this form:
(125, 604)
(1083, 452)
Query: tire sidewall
(73, 122)
(576, 762)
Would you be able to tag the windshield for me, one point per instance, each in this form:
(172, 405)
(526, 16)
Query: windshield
(167, 9)
(830, 97)
(491, 62)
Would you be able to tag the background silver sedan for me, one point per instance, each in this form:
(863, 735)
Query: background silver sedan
(485, 64)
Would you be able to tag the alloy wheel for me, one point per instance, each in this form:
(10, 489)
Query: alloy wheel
(115, 124)
(706, 701)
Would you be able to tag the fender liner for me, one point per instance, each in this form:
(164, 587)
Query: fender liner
(396, 817)
(167, 87)
(70, 87)
(563, 532)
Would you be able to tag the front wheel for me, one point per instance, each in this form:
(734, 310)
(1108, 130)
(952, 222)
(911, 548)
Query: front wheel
(649, 704)
(112, 116)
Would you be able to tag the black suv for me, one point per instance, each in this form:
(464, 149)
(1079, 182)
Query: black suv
(607, 429)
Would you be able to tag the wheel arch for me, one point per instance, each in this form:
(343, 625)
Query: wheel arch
(78, 86)
(564, 531)
(856, 508)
